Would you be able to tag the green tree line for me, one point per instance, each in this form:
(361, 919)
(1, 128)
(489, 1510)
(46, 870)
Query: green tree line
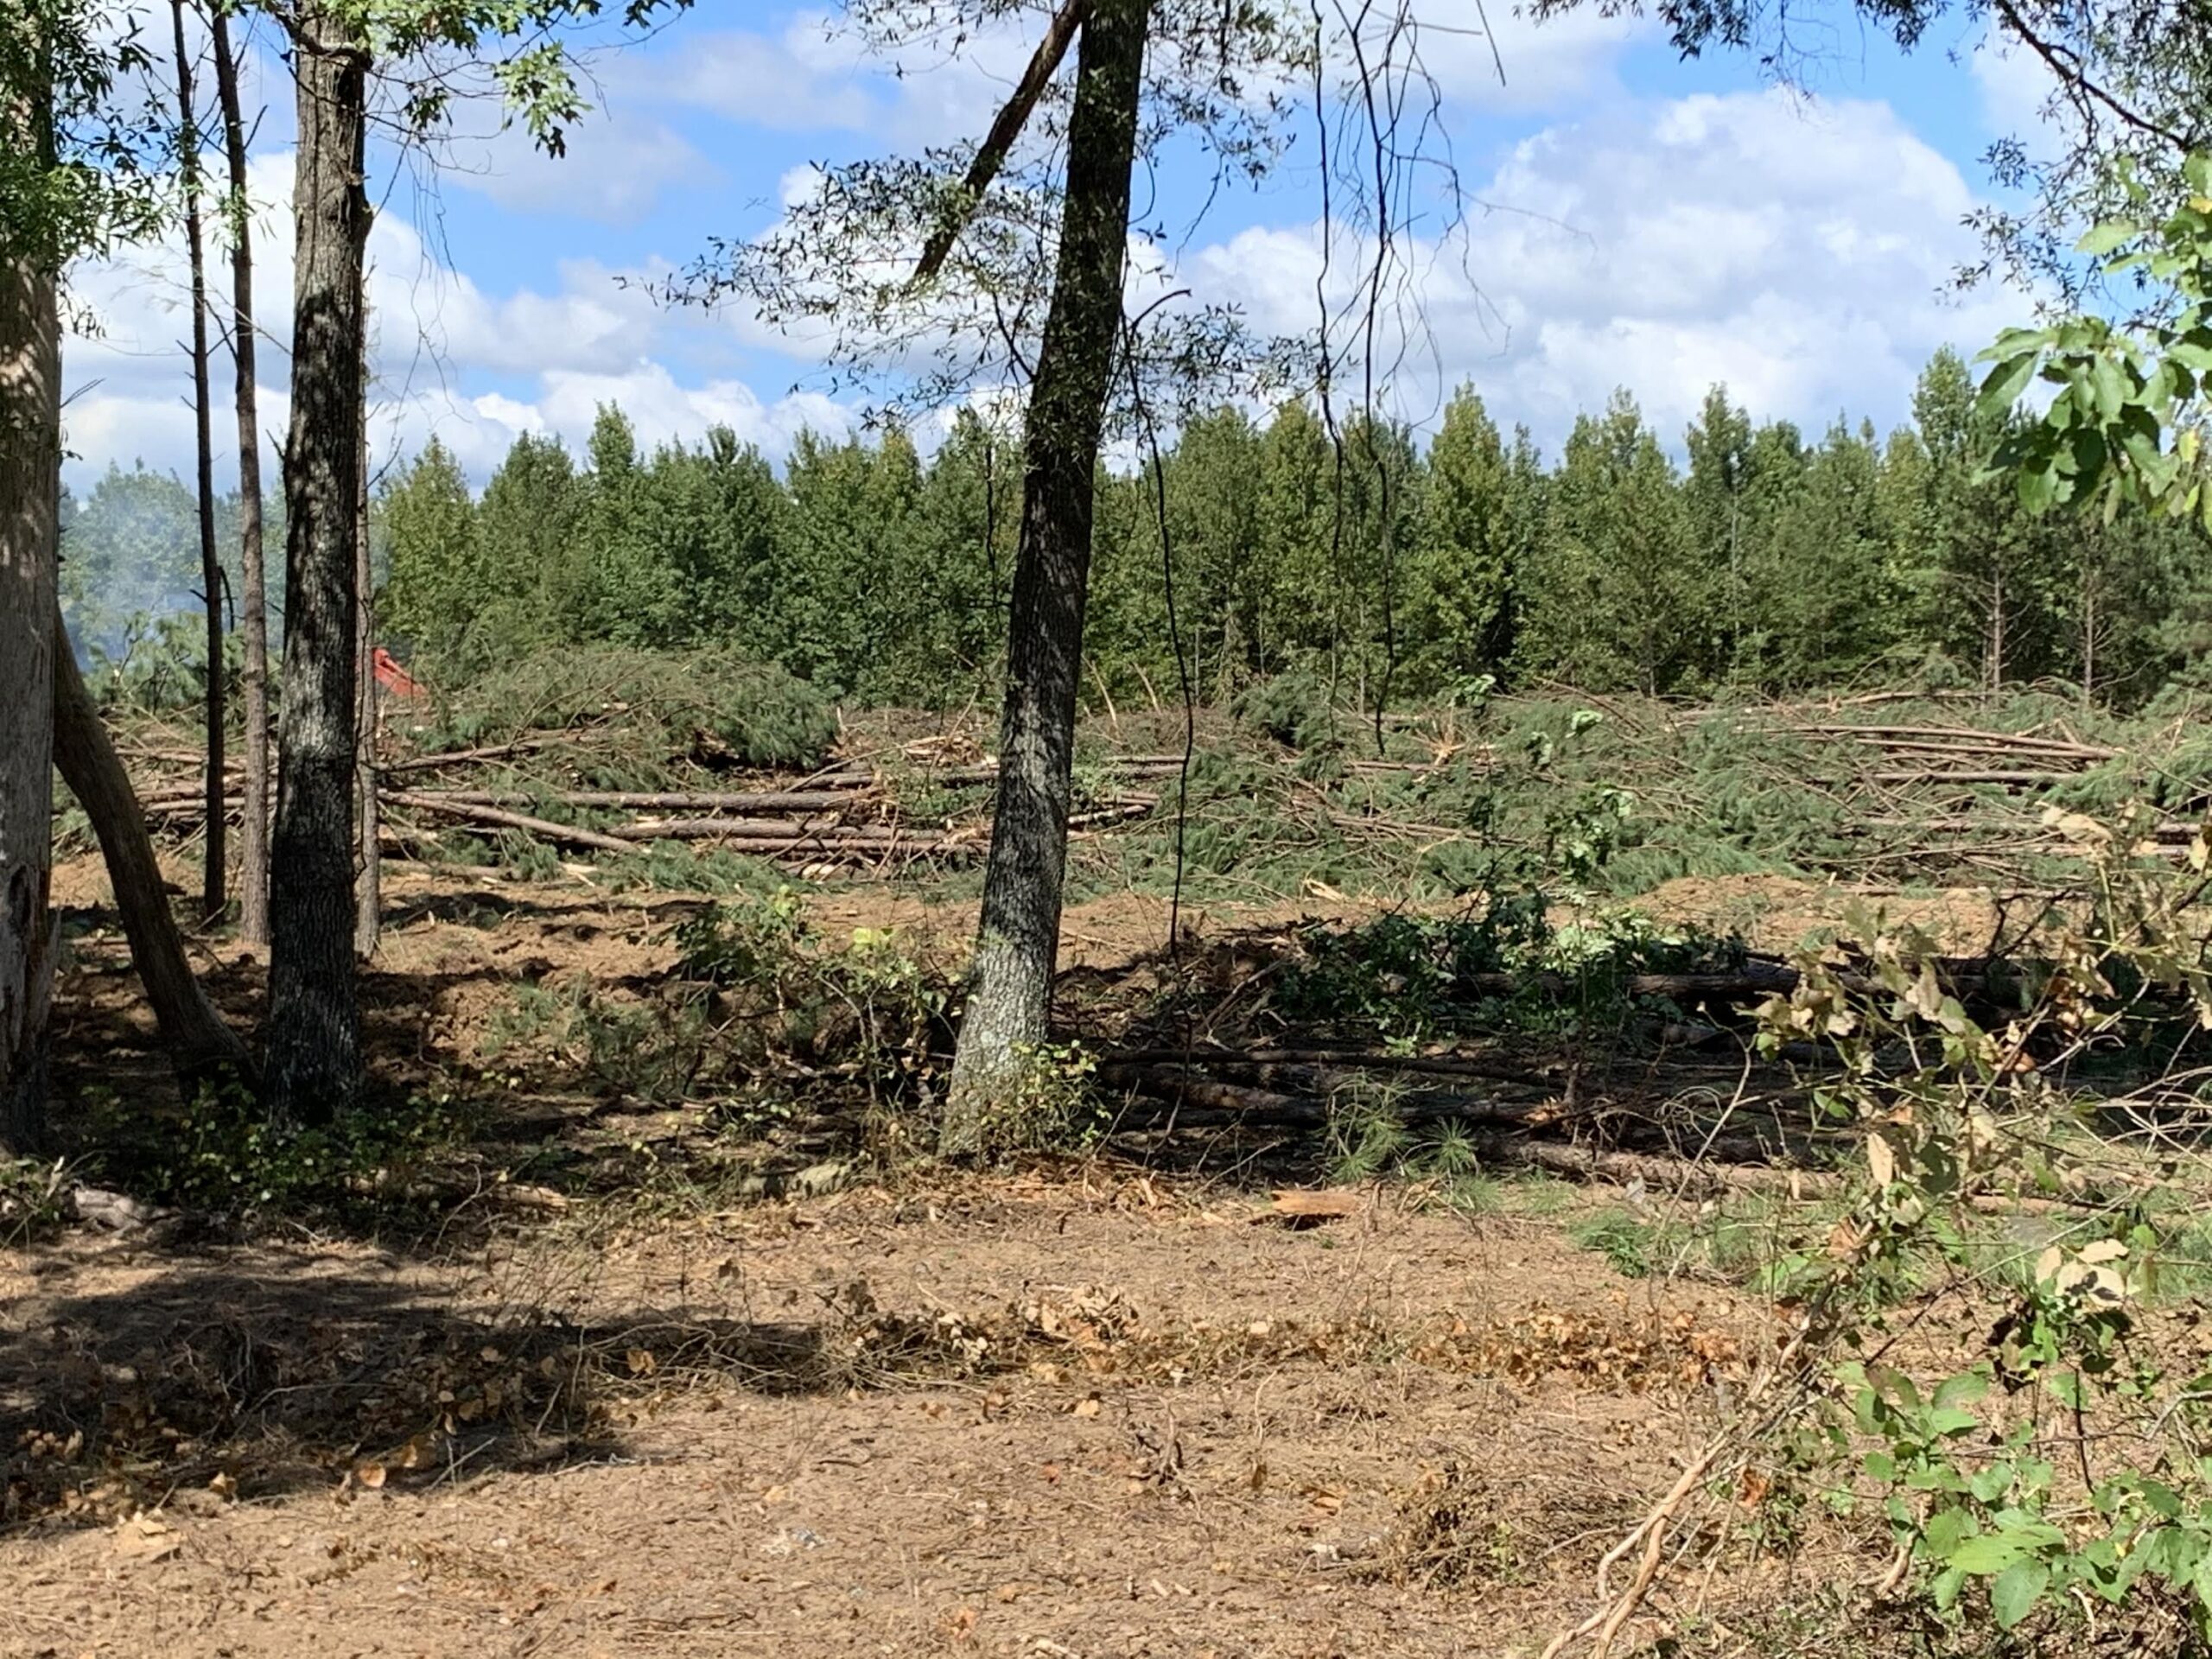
(1769, 558)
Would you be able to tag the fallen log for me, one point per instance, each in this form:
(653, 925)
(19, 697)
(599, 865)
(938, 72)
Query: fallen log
(1756, 979)
(1941, 775)
(761, 830)
(1657, 1173)
(1983, 752)
(461, 757)
(2009, 741)
(542, 828)
(766, 800)
(1244, 1103)
(1433, 1065)
(819, 848)
(1504, 1131)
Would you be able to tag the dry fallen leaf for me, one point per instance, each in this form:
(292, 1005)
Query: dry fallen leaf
(147, 1538)
(370, 1475)
(1086, 1407)
(1300, 1207)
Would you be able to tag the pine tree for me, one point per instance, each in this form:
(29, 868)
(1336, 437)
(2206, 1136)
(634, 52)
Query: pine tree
(1822, 585)
(1303, 613)
(960, 550)
(1618, 596)
(537, 578)
(435, 580)
(718, 515)
(1477, 521)
(1215, 546)
(1987, 575)
(628, 590)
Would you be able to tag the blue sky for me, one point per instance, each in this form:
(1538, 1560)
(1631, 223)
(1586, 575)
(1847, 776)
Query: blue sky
(1643, 221)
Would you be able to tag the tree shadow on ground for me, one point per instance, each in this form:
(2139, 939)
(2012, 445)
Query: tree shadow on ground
(265, 1376)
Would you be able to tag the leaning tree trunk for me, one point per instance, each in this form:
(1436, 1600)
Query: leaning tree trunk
(201, 1048)
(1009, 993)
(30, 496)
(315, 1022)
(253, 595)
(213, 864)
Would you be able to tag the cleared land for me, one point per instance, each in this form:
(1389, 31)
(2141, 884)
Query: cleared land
(632, 1352)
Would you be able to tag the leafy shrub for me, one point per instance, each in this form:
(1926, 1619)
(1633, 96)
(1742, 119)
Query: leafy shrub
(33, 1199)
(1505, 964)
(226, 1156)
(762, 1017)
(2062, 1466)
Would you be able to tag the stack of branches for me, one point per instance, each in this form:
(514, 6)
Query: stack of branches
(1642, 1076)
(1679, 1122)
(850, 813)
(2005, 800)
(616, 752)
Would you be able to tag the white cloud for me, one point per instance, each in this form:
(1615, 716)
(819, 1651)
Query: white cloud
(1565, 60)
(2014, 86)
(1797, 251)
(616, 167)
(436, 336)
(789, 82)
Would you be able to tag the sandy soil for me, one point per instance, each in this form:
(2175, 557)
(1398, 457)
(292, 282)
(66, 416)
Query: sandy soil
(1093, 1412)
(1196, 1434)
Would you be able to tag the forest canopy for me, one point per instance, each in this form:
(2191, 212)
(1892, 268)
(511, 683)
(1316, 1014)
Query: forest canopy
(1765, 558)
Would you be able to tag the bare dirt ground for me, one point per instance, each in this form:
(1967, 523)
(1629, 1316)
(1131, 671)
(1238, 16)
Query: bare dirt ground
(1090, 1411)
(1090, 1414)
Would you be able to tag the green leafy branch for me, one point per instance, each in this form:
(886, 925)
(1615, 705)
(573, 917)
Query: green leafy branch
(2125, 428)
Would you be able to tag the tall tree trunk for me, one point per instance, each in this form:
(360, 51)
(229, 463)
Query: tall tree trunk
(30, 496)
(315, 1021)
(1996, 668)
(201, 1046)
(1009, 993)
(368, 889)
(211, 568)
(253, 680)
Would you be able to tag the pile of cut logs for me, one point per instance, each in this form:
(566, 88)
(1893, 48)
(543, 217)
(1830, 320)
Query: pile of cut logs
(847, 814)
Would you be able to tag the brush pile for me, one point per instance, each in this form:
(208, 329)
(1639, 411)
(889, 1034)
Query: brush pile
(621, 754)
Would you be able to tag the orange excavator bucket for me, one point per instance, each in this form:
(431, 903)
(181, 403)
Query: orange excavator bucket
(396, 681)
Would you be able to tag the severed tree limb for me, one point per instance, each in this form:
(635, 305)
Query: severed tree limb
(489, 751)
(492, 815)
(991, 155)
(201, 1046)
(1603, 1626)
(1504, 1131)
(1449, 1065)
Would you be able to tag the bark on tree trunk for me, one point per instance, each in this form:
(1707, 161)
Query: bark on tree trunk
(213, 864)
(314, 1061)
(1009, 993)
(368, 890)
(30, 489)
(201, 1048)
(253, 598)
